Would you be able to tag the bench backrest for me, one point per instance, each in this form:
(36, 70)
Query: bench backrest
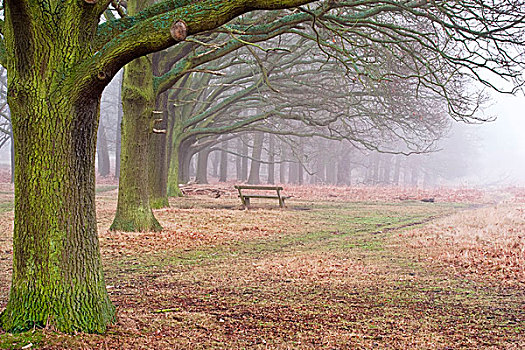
(255, 187)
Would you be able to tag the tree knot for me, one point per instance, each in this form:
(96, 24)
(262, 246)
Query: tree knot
(179, 30)
(102, 75)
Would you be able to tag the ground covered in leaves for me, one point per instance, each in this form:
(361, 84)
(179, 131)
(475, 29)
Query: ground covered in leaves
(339, 268)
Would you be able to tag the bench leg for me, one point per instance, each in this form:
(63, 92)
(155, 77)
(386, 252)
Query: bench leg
(246, 202)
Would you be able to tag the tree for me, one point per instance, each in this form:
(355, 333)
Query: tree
(58, 66)
(133, 208)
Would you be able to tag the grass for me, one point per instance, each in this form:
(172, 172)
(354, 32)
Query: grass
(338, 275)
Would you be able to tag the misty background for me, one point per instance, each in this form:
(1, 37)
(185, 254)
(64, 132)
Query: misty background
(484, 154)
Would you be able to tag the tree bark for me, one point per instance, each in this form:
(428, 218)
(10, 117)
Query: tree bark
(271, 159)
(223, 168)
(118, 139)
(255, 167)
(185, 173)
(202, 166)
(102, 151)
(177, 154)
(12, 154)
(282, 165)
(244, 161)
(133, 209)
(138, 100)
(57, 277)
(238, 160)
(158, 158)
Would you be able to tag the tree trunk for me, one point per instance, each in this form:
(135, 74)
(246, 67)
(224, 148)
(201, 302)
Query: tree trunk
(387, 169)
(244, 161)
(215, 162)
(415, 176)
(158, 161)
(331, 173)
(255, 167)
(133, 209)
(292, 173)
(300, 173)
(397, 169)
(271, 159)
(102, 151)
(202, 166)
(12, 154)
(373, 169)
(55, 243)
(57, 278)
(223, 169)
(177, 154)
(238, 159)
(186, 166)
(343, 169)
(282, 165)
(319, 175)
(119, 132)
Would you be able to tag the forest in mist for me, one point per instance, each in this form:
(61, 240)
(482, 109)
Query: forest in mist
(262, 174)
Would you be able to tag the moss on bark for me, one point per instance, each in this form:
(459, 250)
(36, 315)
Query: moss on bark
(57, 273)
(138, 98)
(133, 209)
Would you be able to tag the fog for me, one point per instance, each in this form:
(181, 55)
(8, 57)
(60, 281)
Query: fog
(497, 154)
(502, 142)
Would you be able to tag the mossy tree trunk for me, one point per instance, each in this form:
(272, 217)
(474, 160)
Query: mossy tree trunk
(158, 158)
(138, 99)
(57, 273)
(174, 171)
(133, 209)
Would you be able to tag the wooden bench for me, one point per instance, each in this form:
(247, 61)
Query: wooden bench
(245, 198)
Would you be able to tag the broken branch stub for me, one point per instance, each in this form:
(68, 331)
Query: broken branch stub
(179, 30)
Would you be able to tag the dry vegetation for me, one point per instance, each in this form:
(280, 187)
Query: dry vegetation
(324, 273)
(487, 243)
